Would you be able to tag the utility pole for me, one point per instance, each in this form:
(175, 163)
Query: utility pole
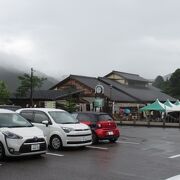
(110, 101)
(31, 89)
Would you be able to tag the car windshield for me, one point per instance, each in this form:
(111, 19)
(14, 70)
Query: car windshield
(63, 117)
(11, 120)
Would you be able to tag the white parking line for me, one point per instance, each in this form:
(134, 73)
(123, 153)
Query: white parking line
(97, 147)
(174, 178)
(127, 142)
(175, 156)
(52, 154)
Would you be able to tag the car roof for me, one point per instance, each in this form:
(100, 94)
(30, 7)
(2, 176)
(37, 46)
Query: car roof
(91, 112)
(41, 109)
(6, 111)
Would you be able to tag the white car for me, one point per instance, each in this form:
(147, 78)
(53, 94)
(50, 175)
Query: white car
(60, 128)
(18, 137)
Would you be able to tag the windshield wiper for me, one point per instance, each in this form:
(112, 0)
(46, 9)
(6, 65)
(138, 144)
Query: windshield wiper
(69, 123)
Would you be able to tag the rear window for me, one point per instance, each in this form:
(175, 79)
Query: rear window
(93, 117)
(104, 117)
(87, 117)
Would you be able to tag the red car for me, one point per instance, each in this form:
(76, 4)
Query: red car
(102, 125)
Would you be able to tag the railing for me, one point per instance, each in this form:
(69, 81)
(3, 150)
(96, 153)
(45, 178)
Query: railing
(167, 121)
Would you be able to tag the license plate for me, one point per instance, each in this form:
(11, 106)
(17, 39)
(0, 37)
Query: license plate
(110, 133)
(35, 147)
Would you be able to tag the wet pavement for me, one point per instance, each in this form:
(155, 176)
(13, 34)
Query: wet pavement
(141, 153)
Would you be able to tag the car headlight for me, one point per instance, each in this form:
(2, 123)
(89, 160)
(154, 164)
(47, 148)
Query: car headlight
(67, 130)
(11, 135)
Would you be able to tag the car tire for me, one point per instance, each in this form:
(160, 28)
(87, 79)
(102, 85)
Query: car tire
(55, 143)
(2, 152)
(94, 138)
(113, 140)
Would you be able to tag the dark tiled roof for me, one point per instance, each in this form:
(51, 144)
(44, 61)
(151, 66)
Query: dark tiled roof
(146, 94)
(122, 93)
(88, 81)
(128, 76)
(115, 94)
(47, 95)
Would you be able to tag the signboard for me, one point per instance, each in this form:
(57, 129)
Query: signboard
(98, 102)
(50, 104)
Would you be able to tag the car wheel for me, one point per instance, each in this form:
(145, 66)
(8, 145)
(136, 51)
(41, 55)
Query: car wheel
(113, 140)
(94, 138)
(56, 143)
(2, 154)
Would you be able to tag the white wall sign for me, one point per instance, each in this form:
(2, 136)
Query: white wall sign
(99, 89)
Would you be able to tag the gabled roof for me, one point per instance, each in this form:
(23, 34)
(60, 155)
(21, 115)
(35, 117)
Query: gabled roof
(92, 82)
(144, 94)
(47, 95)
(109, 91)
(121, 93)
(128, 76)
(82, 79)
(86, 80)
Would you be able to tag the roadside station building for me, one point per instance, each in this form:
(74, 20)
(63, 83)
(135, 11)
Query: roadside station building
(113, 92)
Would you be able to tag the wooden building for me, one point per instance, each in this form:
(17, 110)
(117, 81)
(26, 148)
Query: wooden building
(121, 90)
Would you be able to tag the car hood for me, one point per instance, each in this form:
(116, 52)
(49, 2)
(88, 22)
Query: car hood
(77, 126)
(24, 131)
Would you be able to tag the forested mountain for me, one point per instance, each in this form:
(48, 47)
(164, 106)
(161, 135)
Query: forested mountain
(169, 84)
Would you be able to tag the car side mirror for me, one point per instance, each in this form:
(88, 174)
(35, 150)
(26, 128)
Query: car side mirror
(46, 122)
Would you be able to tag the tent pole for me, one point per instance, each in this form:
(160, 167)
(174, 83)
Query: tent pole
(148, 122)
(164, 118)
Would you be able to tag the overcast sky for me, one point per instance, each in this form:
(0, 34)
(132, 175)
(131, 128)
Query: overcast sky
(91, 37)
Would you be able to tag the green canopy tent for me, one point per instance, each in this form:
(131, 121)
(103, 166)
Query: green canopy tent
(177, 103)
(156, 106)
(168, 103)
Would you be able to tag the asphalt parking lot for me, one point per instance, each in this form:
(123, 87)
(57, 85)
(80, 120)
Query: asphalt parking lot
(141, 153)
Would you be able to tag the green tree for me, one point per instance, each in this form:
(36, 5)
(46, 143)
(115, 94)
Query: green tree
(167, 88)
(70, 105)
(174, 84)
(4, 93)
(159, 82)
(25, 84)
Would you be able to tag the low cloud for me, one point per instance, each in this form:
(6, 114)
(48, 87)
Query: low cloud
(18, 46)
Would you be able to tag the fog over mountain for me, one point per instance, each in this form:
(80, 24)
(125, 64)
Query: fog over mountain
(167, 77)
(10, 76)
(91, 37)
